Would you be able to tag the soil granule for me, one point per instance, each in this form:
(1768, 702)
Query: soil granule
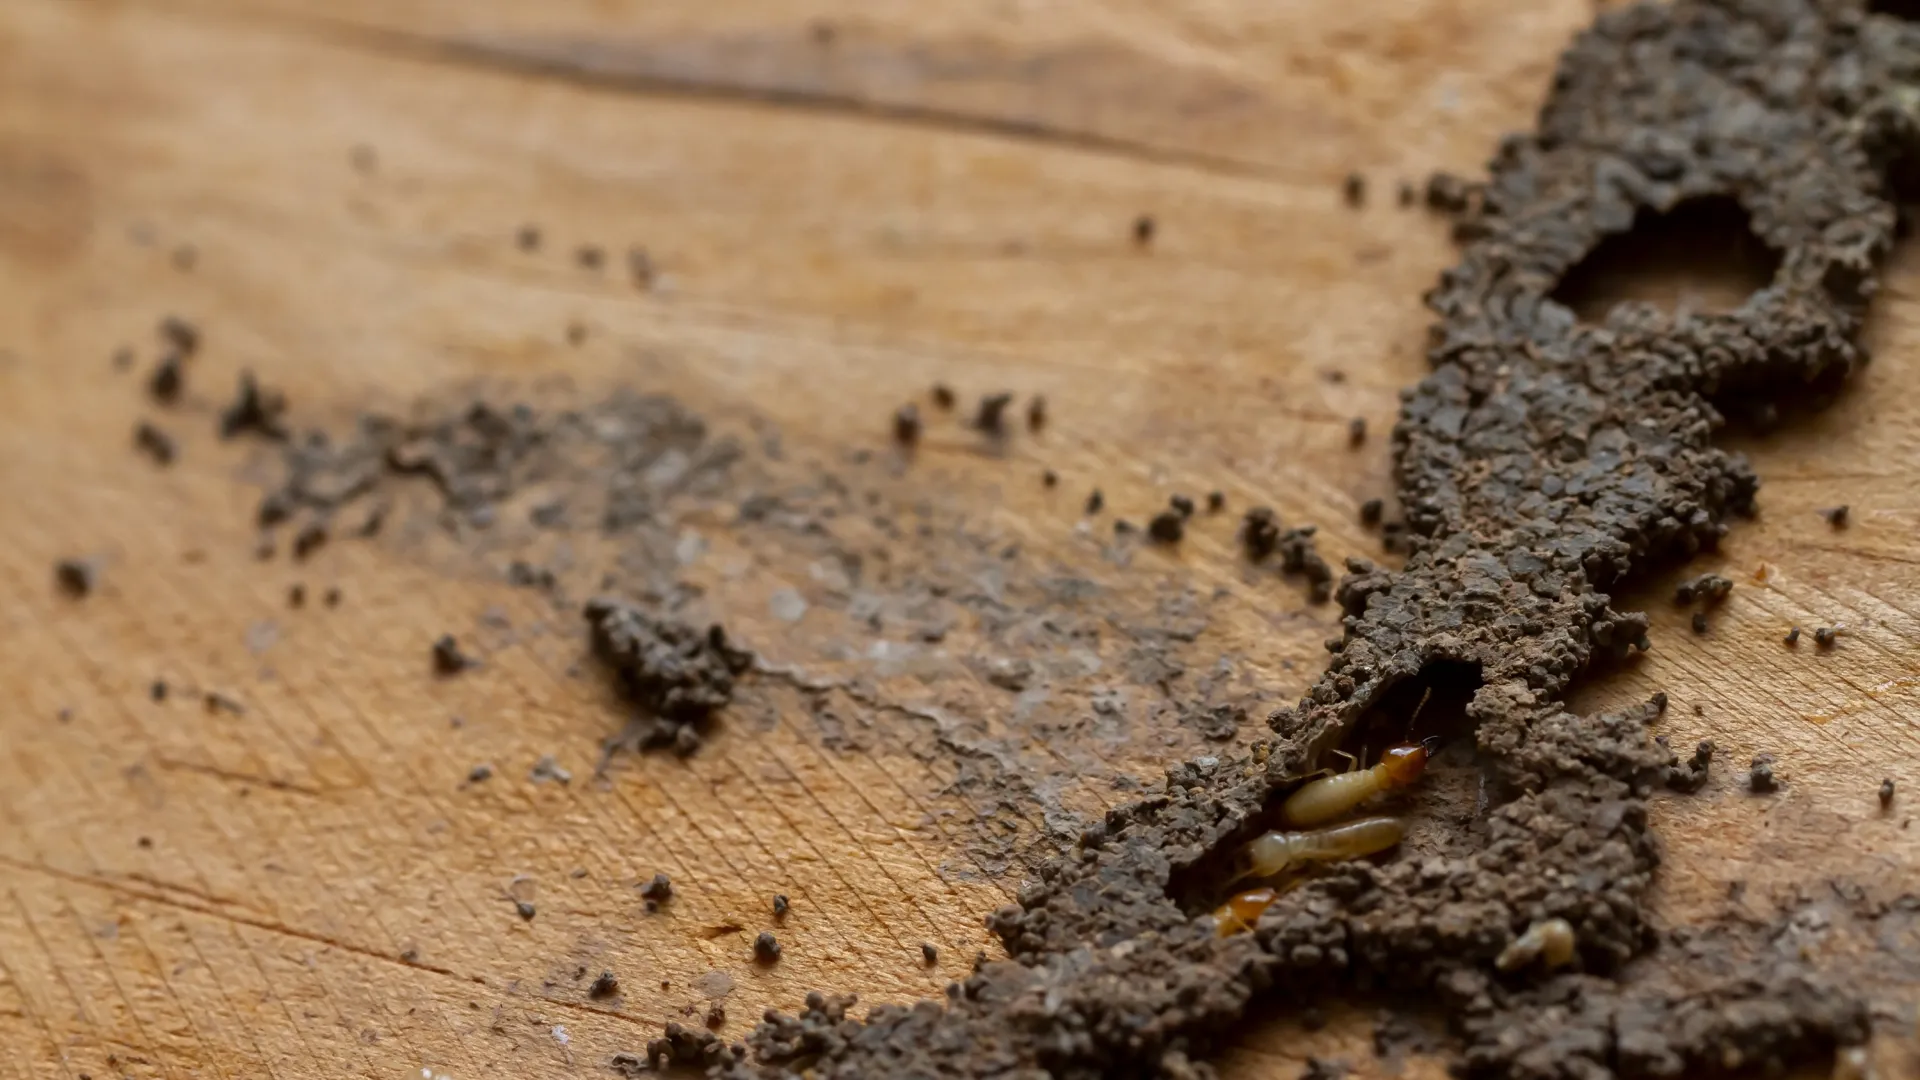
(676, 674)
(1541, 464)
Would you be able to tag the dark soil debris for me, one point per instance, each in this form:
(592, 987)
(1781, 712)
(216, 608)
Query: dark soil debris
(76, 577)
(992, 414)
(675, 674)
(605, 985)
(659, 889)
(1707, 588)
(448, 658)
(1760, 777)
(255, 408)
(1836, 516)
(906, 425)
(154, 443)
(766, 947)
(1167, 526)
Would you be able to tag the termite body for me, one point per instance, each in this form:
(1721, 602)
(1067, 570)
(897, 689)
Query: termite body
(1273, 852)
(1243, 910)
(1549, 940)
(1332, 797)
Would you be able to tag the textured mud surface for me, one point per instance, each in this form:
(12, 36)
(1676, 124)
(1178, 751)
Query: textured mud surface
(1542, 464)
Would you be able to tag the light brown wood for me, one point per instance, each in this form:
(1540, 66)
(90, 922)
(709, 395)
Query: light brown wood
(842, 216)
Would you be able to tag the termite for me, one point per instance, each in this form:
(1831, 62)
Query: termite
(1243, 910)
(1332, 797)
(1273, 852)
(1550, 940)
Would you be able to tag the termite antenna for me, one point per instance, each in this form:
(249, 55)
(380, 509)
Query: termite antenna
(1411, 720)
(1431, 744)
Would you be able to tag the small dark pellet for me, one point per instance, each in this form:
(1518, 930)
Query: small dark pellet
(158, 691)
(766, 947)
(606, 985)
(297, 597)
(1050, 478)
(943, 395)
(525, 908)
(1181, 505)
(1216, 501)
(906, 425)
(479, 773)
(154, 443)
(929, 954)
(660, 888)
(1793, 636)
(991, 417)
(1354, 189)
(780, 905)
(1760, 776)
(75, 577)
(590, 257)
(1167, 527)
(1036, 413)
(447, 657)
(1356, 431)
(1836, 516)
(1824, 636)
(332, 597)
(309, 539)
(1371, 510)
(1886, 793)
(1699, 622)
(1143, 229)
(528, 238)
(1096, 501)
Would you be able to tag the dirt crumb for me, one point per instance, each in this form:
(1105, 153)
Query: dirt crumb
(1836, 516)
(448, 658)
(991, 416)
(1760, 777)
(256, 409)
(906, 424)
(1167, 527)
(76, 577)
(675, 674)
(766, 947)
(154, 443)
(605, 985)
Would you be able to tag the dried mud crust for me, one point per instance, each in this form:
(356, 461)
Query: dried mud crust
(1541, 463)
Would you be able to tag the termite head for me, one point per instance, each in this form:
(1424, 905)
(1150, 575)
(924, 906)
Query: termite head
(1404, 764)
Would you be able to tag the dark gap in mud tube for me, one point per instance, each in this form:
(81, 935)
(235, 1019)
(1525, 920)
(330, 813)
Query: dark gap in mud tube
(1908, 10)
(1701, 258)
(1428, 710)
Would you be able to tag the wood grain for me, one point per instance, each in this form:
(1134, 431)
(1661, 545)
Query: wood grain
(842, 217)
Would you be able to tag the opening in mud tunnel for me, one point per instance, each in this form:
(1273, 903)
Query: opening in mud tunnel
(1428, 711)
(1899, 9)
(1701, 257)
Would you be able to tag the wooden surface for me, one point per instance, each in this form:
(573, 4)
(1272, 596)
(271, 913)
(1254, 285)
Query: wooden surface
(847, 203)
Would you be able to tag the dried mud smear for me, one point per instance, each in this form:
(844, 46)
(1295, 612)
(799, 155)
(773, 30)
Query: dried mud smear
(1541, 463)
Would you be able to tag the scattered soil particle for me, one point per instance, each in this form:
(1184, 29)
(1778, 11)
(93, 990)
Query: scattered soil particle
(1143, 230)
(684, 1046)
(217, 702)
(1357, 431)
(154, 443)
(1760, 778)
(676, 675)
(1036, 413)
(1181, 505)
(1167, 527)
(1824, 636)
(1707, 588)
(169, 379)
(1699, 622)
(766, 947)
(780, 906)
(525, 909)
(590, 257)
(158, 690)
(1260, 532)
(659, 890)
(76, 577)
(1407, 194)
(1096, 502)
(943, 396)
(716, 1014)
(1886, 793)
(122, 358)
(311, 538)
(179, 336)
(331, 598)
(480, 773)
(548, 768)
(1050, 478)
(991, 416)
(1793, 636)
(255, 408)
(906, 425)
(929, 953)
(1836, 516)
(528, 238)
(1692, 776)
(604, 986)
(448, 659)
(1354, 190)
(297, 596)
(576, 333)
(1216, 501)
(1522, 464)
(1371, 510)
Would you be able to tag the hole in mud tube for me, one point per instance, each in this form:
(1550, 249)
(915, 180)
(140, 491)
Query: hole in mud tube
(1701, 257)
(1429, 709)
(1899, 9)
